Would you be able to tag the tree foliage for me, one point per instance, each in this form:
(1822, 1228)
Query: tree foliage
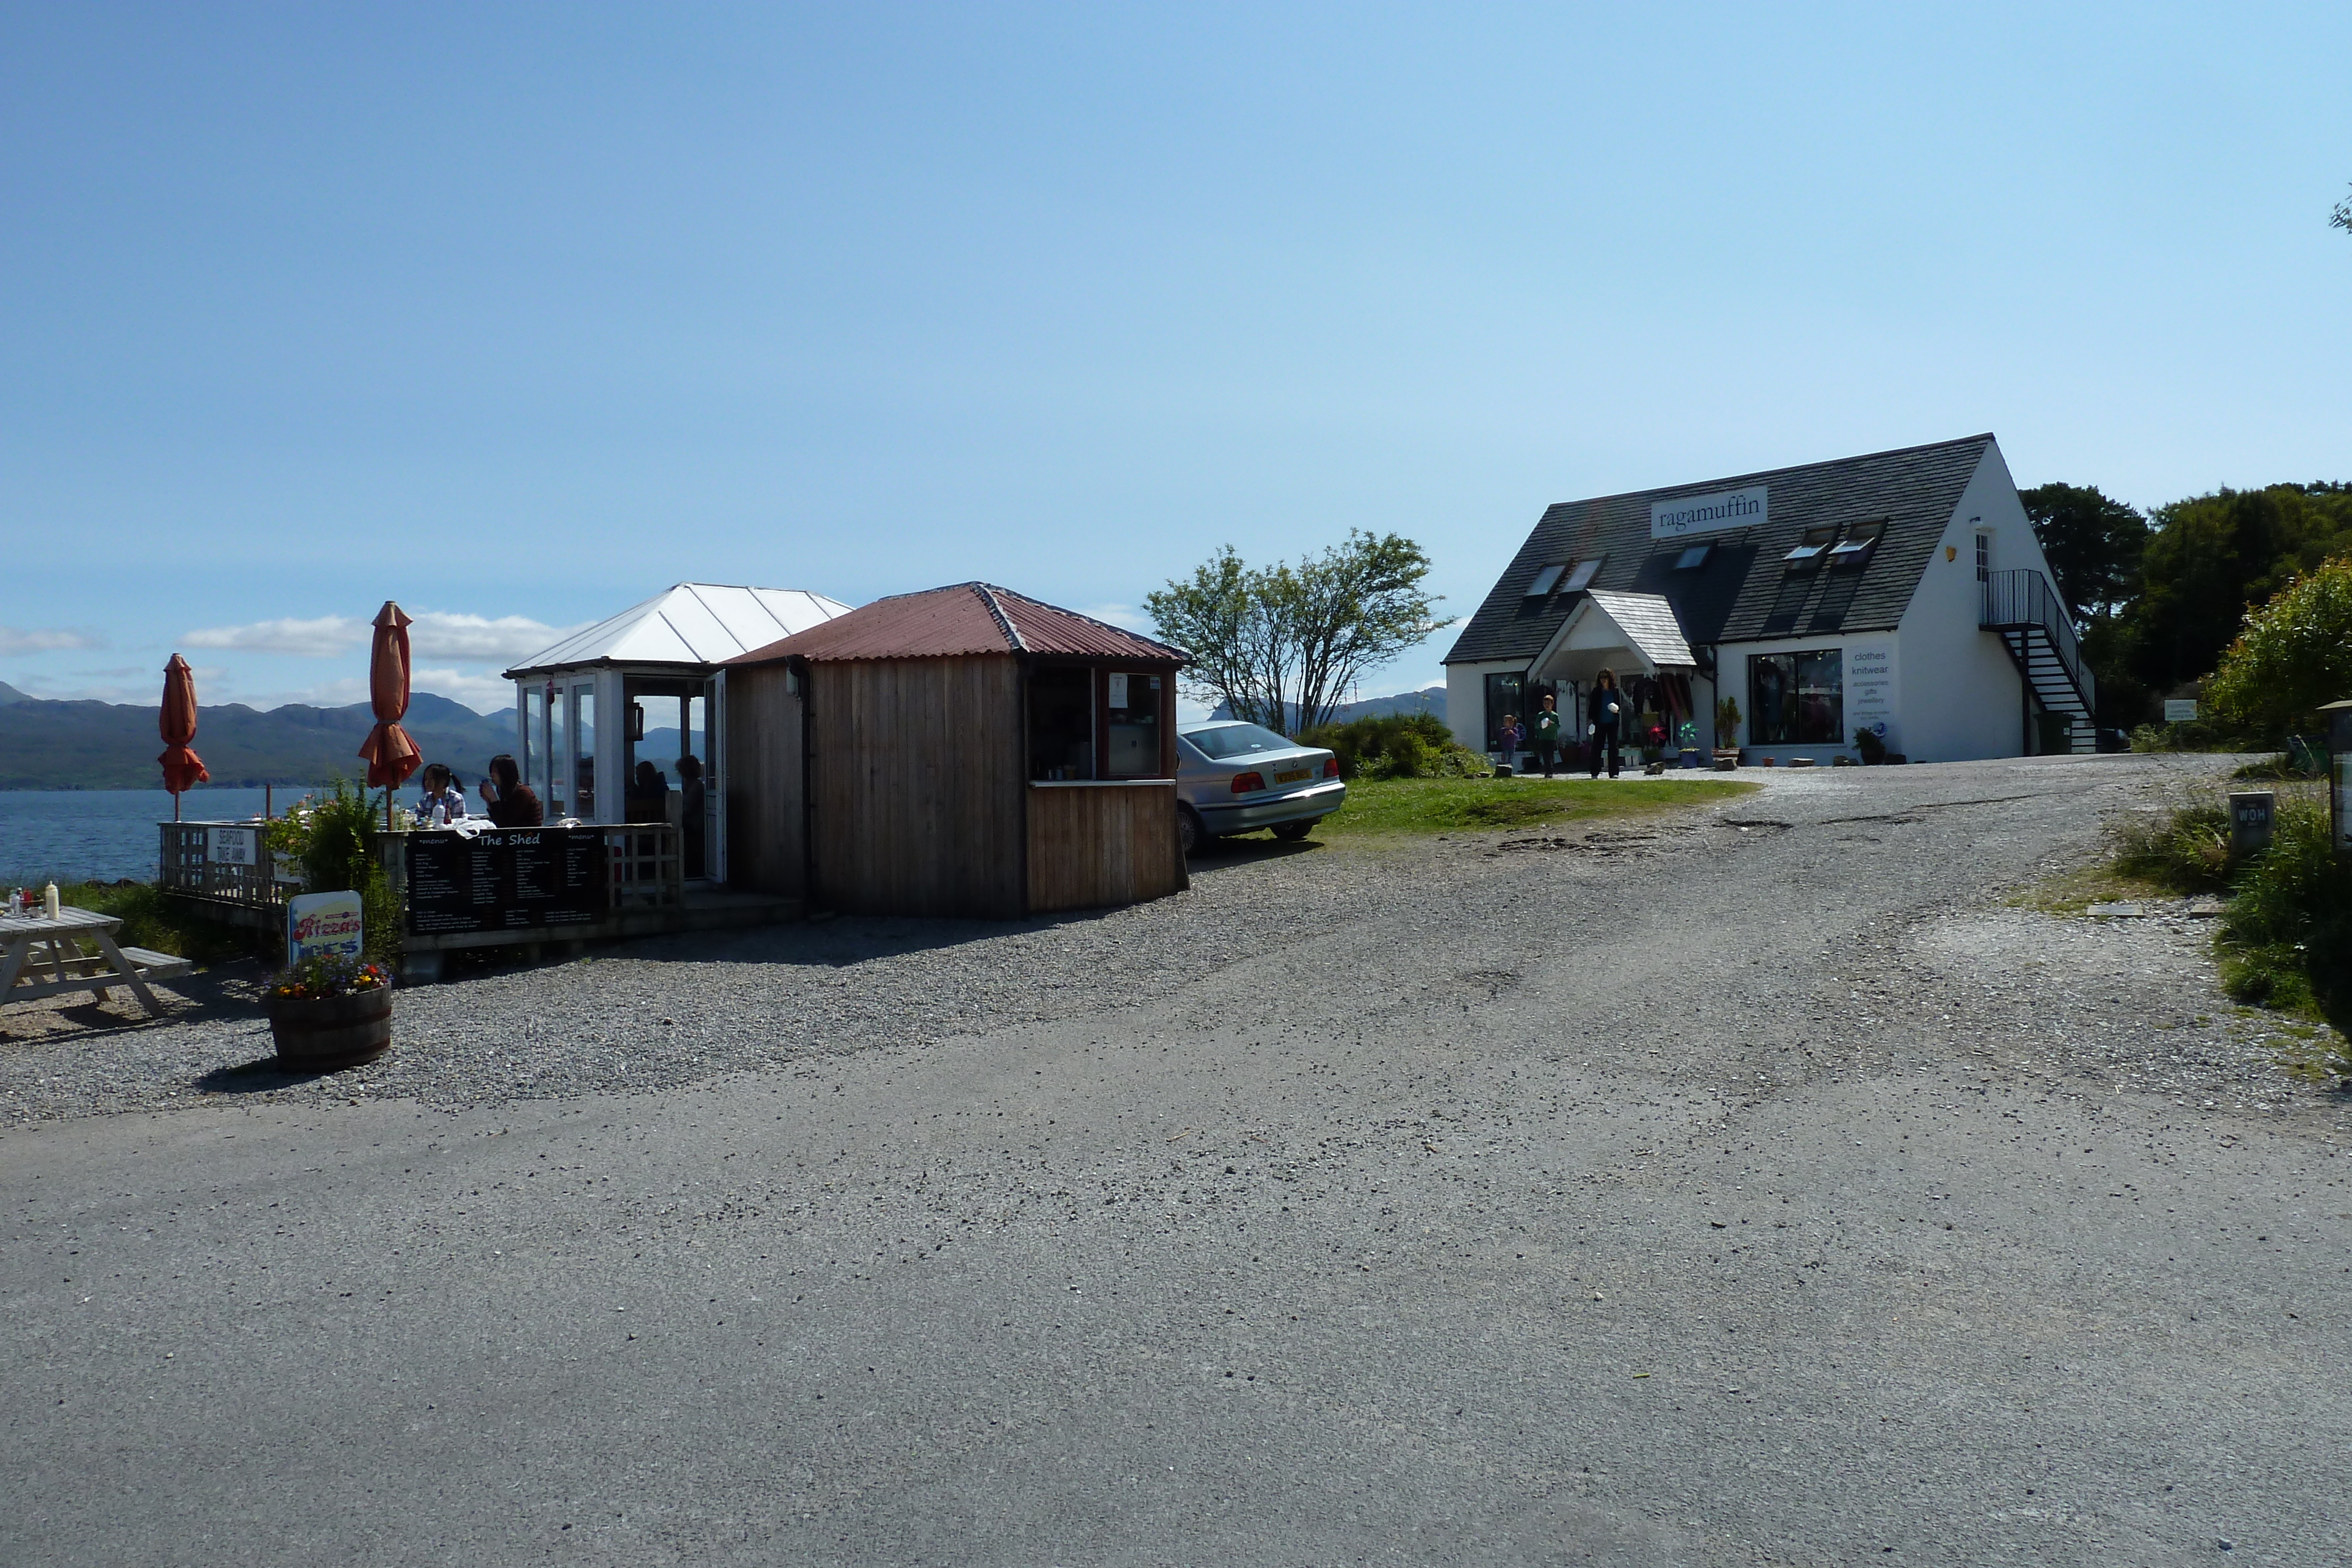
(2214, 558)
(1281, 646)
(2294, 653)
(2094, 545)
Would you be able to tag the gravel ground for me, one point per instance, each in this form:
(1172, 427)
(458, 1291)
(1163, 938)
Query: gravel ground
(2134, 1001)
(1755, 1187)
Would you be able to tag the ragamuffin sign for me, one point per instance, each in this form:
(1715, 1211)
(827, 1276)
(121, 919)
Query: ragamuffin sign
(1687, 515)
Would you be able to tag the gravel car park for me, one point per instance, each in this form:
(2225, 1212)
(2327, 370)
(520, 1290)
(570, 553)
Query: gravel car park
(1236, 777)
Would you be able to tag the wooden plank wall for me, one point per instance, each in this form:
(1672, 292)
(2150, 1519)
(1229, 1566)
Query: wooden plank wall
(1100, 844)
(763, 782)
(919, 780)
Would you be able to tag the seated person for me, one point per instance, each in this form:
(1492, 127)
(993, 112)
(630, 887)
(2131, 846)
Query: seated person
(441, 791)
(507, 799)
(648, 798)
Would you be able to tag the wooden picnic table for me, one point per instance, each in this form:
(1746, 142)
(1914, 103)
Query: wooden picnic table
(31, 944)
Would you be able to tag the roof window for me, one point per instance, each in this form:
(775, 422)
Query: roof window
(1544, 581)
(1694, 557)
(1809, 550)
(1853, 553)
(1581, 578)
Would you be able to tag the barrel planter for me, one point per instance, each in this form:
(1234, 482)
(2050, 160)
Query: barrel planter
(318, 1034)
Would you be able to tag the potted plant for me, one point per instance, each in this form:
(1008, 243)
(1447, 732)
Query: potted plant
(1726, 728)
(330, 1010)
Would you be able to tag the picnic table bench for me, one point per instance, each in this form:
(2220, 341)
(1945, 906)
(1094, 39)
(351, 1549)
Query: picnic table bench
(32, 944)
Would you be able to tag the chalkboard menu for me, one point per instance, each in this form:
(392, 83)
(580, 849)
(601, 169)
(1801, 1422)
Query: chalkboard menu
(505, 881)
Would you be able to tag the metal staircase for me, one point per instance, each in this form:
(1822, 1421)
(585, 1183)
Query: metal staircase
(2025, 611)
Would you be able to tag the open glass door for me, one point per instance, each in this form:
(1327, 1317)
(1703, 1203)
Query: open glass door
(714, 779)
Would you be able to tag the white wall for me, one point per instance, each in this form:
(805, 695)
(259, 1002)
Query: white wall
(1960, 697)
(1465, 699)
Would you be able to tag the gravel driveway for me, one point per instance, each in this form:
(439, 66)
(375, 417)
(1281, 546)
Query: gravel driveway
(1753, 1187)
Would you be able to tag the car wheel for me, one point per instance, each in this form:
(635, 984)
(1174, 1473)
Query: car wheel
(1191, 837)
(1291, 832)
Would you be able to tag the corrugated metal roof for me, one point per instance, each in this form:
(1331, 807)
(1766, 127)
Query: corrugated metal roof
(1742, 591)
(1648, 622)
(965, 618)
(690, 623)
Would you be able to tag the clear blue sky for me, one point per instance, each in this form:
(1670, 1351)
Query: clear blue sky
(518, 315)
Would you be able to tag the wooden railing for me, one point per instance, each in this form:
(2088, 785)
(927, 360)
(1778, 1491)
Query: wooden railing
(247, 894)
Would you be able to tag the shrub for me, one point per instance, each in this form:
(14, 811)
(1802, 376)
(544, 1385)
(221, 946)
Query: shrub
(152, 920)
(1396, 746)
(333, 837)
(2185, 848)
(2295, 655)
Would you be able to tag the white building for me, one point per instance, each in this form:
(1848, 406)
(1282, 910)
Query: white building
(1901, 592)
(586, 707)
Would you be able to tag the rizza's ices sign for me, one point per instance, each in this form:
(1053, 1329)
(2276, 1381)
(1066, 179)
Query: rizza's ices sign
(1686, 514)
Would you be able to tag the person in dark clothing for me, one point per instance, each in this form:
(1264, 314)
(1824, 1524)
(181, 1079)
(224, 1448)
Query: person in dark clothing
(1545, 733)
(648, 798)
(507, 800)
(1606, 712)
(692, 796)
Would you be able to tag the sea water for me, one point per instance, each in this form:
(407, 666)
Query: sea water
(105, 835)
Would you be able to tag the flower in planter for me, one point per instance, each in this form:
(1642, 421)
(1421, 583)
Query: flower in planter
(329, 974)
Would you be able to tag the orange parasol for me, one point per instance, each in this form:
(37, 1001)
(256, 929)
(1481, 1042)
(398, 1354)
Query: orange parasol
(390, 756)
(183, 768)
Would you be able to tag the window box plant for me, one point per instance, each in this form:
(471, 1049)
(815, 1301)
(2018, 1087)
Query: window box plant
(329, 1011)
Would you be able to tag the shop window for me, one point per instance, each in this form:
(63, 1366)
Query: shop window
(1506, 695)
(1797, 699)
(1061, 723)
(1131, 725)
(1544, 581)
(1581, 578)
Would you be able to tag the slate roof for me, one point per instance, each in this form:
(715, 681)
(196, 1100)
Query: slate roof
(1744, 591)
(1649, 621)
(964, 618)
(689, 623)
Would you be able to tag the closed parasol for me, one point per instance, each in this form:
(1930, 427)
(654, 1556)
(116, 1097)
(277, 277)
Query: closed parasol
(390, 756)
(183, 768)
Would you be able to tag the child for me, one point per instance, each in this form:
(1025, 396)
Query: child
(1512, 737)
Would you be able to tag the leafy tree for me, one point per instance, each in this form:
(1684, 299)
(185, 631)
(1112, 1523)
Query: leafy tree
(2212, 558)
(2094, 545)
(1281, 646)
(2295, 655)
(2341, 216)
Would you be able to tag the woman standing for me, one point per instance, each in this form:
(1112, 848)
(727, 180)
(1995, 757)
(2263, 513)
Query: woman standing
(1606, 709)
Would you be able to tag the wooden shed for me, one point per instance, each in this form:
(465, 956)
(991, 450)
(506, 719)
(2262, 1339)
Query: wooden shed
(961, 751)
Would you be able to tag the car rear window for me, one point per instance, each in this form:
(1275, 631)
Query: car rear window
(1237, 740)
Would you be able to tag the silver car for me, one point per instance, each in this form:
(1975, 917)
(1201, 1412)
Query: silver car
(1235, 778)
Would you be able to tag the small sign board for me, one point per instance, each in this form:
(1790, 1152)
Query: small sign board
(2251, 812)
(507, 881)
(2179, 710)
(1117, 680)
(319, 922)
(231, 846)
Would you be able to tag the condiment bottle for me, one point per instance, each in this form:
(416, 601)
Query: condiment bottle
(49, 901)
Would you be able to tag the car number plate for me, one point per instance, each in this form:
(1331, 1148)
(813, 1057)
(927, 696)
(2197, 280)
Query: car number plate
(1293, 775)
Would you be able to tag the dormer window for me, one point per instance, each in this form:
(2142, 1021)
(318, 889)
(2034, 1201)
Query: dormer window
(1853, 553)
(1545, 581)
(1581, 578)
(1809, 550)
(1694, 557)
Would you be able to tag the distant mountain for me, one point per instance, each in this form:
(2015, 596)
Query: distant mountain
(47, 745)
(1428, 699)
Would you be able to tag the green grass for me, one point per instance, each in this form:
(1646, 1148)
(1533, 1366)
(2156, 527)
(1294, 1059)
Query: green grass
(1395, 807)
(2074, 892)
(152, 921)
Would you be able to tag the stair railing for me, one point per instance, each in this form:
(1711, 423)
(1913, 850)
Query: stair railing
(2017, 601)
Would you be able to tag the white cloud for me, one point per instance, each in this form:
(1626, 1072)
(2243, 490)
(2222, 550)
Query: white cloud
(483, 694)
(440, 634)
(435, 634)
(323, 638)
(46, 640)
